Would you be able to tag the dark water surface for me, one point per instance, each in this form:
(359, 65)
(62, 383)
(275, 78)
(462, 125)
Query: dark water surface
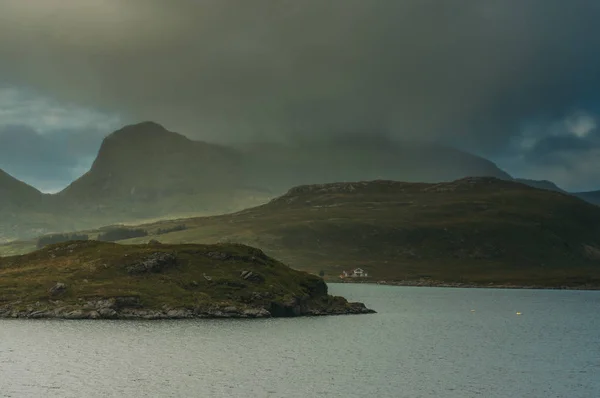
(424, 342)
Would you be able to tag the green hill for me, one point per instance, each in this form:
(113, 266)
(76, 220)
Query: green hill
(89, 279)
(474, 230)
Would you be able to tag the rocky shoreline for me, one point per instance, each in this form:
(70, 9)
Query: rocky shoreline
(430, 283)
(130, 308)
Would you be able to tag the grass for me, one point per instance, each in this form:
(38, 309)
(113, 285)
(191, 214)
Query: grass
(479, 230)
(472, 230)
(92, 269)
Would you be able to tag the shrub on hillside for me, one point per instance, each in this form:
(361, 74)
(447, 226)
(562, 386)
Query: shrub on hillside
(115, 234)
(161, 231)
(59, 238)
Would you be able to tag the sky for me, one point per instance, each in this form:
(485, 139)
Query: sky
(515, 81)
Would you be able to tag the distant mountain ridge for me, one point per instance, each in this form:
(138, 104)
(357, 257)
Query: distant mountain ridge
(541, 184)
(280, 167)
(144, 172)
(15, 192)
(21, 208)
(592, 196)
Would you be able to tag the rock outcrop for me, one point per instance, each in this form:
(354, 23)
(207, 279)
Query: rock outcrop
(57, 289)
(156, 262)
(114, 308)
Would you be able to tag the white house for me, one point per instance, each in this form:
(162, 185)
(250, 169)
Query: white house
(357, 273)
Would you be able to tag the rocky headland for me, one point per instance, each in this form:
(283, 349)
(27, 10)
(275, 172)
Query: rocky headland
(99, 280)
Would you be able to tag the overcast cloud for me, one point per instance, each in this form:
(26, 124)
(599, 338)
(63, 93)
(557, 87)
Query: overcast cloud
(513, 80)
(47, 144)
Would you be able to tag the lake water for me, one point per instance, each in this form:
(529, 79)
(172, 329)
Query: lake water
(424, 342)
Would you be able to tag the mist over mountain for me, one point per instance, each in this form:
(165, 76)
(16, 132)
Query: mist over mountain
(278, 167)
(143, 171)
(147, 162)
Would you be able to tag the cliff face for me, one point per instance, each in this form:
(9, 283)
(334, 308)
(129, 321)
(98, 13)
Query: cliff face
(92, 280)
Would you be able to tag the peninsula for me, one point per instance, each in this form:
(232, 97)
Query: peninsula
(95, 280)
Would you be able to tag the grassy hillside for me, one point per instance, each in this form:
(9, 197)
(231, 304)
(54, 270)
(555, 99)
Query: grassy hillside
(97, 279)
(477, 230)
(474, 230)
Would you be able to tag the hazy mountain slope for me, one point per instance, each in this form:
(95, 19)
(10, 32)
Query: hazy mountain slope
(16, 193)
(592, 197)
(20, 208)
(481, 230)
(541, 184)
(145, 172)
(279, 167)
(145, 162)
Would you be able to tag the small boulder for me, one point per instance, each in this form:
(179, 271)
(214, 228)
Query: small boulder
(57, 289)
(77, 314)
(127, 302)
(155, 262)
(252, 276)
(219, 255)
(108, 313)
(256, 313)
(39, 314)
(179, 314)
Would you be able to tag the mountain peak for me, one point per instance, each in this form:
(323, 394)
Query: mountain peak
(142, 129)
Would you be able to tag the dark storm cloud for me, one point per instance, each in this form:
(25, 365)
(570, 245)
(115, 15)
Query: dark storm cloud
(566, 152)
(478, 74)
(234, 69)
(549, 146)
